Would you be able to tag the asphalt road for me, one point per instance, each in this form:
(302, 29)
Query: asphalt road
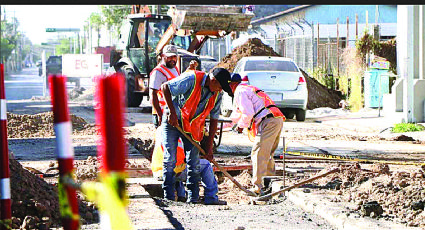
(26, 84)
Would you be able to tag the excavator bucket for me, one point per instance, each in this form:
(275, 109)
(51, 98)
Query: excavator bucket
(209, 18)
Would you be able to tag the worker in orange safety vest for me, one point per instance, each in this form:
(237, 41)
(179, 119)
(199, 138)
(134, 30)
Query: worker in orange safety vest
(255, 110)
(190, 98)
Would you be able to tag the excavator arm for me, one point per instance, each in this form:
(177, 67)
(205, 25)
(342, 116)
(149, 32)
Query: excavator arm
(203, 22)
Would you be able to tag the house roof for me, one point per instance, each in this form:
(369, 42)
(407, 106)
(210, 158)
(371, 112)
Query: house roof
(291, 10)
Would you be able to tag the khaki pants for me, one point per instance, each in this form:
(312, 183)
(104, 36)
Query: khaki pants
(265, 143)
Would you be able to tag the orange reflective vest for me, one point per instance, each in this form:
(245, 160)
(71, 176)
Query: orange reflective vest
(268, 104)
(167, 73)
(158, 156)
(195, 125)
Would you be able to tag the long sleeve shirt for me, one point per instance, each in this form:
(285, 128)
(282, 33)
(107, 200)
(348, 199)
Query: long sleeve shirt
(246, 104)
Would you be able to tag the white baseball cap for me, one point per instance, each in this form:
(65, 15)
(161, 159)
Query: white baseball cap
(170, 50)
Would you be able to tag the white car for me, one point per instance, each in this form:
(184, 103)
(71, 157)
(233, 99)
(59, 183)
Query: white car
(279, 77)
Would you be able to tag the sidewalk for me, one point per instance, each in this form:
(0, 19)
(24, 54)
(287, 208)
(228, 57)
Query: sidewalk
(370, 121)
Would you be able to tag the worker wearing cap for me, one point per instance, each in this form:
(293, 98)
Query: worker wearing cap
(190, 98)
(253, 109)
(164, 71)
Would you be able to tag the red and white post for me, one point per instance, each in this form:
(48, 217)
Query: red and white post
(5, 202)
(112, 147)
(65, 152)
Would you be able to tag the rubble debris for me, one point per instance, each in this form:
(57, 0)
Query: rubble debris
(75, 92)
(399, 194)
(318, 94)
(41, 125)
(372, 209)
(402, 138)
(144, 146)
(35, 203)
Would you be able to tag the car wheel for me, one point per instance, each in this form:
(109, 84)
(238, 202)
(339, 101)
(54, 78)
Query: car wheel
(133, 98)
(300, 115)
(288, 113)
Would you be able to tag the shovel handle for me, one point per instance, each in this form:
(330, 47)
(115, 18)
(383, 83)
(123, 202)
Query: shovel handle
(216, 164)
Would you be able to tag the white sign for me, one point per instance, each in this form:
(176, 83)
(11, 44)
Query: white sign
(82, 65)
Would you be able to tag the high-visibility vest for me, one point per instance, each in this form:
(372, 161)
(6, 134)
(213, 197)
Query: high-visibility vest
(195, 125)
(167, 73)
(268, 104)
(158, 156)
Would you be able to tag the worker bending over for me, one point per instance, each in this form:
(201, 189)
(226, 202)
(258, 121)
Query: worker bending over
(190, 98)
(253, 109)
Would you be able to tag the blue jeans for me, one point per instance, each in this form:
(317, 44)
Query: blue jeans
(208, 182)
(170, 137)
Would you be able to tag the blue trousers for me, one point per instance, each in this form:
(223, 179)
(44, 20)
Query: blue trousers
(170, 136)
(208, 182)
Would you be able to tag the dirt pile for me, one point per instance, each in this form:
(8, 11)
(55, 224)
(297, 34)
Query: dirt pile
(400, 194)
(35, 202)
(231, 193)
(318, 94)
(41, 125)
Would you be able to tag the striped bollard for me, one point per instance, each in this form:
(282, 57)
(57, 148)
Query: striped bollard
(5, 203)
(68, 203)
(112, 147)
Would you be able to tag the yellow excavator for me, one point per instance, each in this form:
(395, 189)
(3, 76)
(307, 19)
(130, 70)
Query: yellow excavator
(143, 35)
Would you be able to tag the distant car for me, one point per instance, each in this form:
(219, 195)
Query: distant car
(207, 63)
(53, 66)
(40, 69)
(279, 77)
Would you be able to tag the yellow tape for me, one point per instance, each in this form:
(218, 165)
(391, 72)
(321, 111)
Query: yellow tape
(64, 206)
(109, 195)
(6, 223)
(346, 158)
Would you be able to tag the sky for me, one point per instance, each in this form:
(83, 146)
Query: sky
(34, 19)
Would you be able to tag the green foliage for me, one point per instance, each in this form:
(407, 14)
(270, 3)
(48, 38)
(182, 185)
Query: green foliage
(322, 76)
(351, 78)
(114, 14)
(407, 127)
(9, 38)
(385, 49)
(64, 47)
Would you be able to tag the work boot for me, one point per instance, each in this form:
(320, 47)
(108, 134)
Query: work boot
(181, 199)
(217, 202)
(257, 191)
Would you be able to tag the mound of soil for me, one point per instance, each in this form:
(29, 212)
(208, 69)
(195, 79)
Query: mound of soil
(41, 125)
(318, 94)
(399, 194)
(35, 203)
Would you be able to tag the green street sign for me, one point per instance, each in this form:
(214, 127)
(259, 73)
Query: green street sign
(62, 30)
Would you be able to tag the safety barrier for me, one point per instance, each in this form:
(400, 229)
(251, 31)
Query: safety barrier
(68, 203)
(5, 202)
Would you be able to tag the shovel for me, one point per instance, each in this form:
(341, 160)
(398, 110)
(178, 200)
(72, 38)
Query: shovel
(216, 164)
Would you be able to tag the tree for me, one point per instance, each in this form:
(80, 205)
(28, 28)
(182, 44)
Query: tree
(97, 22)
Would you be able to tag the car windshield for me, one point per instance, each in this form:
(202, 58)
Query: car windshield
(270, 65)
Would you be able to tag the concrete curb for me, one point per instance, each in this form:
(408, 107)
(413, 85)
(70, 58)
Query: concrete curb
(334, 212)
(149, 216)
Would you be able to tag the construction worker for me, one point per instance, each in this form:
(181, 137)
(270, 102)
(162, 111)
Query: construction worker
(253, 109)
(164, 71)
(190, 98)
